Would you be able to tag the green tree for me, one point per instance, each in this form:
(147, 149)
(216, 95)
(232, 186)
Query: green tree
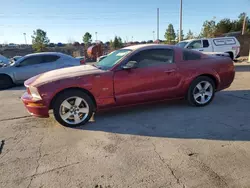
(170, 34)
(177, 36)
(39, 40)
(223, 26)
(190, 35)
(208, 29)
(238, 24)
(87, 38)
(120, 43)
(116, 43)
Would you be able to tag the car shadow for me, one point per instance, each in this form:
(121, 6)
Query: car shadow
(17, 87)
(242, 68)
(227, 118)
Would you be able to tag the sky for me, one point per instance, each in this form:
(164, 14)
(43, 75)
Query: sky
(68, 20)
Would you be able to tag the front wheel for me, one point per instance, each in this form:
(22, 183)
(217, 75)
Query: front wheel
(5, 82)
(73, 108)
(201, 91)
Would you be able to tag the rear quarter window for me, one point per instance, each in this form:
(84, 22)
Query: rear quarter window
(50, 58)
(226, 41)
(205, 43)
(190, 55)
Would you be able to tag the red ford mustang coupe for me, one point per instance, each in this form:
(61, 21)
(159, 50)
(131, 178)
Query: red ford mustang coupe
(132, 75)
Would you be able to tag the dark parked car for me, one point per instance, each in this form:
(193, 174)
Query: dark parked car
(132, 75)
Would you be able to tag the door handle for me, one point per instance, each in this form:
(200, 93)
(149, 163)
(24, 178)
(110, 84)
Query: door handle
(170, 71)
(200, 50)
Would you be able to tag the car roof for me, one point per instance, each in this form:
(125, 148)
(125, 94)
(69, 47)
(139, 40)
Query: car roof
(149, 46)
(46, 53)
(189, 40)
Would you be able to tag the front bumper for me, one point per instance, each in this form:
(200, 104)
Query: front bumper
(35, 107)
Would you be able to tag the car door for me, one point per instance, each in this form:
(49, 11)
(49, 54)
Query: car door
(207, 47)
(27, 68)
(67, 61)
(34, 65)
(49, 62)
(156, 77)
(196, 45)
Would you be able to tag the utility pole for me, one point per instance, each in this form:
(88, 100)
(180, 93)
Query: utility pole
(96, 37)
(158, 23)
(24, 34)
(153, 35)
(180, 31)
(132, 38)
(244, 24)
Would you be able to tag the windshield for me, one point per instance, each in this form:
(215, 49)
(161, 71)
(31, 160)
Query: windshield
(182, 44)
(17, 61)
(3, 59)
(112, 59)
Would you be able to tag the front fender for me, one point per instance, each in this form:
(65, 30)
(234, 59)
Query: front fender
(49, 90)
(7, 73)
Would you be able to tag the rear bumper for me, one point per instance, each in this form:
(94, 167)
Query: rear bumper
(34, 107)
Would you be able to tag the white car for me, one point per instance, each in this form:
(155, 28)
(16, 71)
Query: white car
(228, 45)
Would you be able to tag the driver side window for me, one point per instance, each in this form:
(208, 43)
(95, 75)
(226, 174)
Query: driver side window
(154, 57)
(195, 44)
(31, 61)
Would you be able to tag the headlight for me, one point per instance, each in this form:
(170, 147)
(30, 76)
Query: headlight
(34, 93)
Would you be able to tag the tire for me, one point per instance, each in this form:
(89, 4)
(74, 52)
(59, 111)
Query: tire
(5, 82)
(198, 95)
(231, 55)
(67, 107)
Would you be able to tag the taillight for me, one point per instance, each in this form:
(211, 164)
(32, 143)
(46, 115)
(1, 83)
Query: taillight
(82, 62)
(28, 91)
(236, 48)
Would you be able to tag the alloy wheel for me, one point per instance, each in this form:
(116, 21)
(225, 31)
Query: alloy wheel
(203, 92)
(74, 110)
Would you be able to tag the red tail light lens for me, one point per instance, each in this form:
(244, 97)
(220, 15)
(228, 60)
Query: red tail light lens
(82, 62)
(28, 91)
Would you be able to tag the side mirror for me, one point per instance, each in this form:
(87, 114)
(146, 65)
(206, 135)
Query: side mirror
(130, 65)
(190, 47)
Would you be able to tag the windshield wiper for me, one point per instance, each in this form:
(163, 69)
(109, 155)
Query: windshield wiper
(99, 67)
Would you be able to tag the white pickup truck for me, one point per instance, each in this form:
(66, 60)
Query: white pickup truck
(228, 45)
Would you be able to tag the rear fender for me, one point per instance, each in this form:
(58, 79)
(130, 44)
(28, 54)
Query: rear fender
(209, 73)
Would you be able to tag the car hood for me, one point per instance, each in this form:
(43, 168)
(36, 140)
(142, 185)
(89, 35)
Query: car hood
(63, 73)
(6, 68)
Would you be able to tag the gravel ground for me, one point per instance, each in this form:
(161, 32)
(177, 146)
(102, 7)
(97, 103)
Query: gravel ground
(157, 145)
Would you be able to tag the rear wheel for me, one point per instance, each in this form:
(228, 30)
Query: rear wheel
(73, 108)
(201, 91)
(231, 55)
(5, 82)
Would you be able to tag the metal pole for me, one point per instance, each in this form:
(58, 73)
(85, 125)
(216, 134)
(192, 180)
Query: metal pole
(158, 23)
(96, 36)
(153, 35)
(244, 24)
(180, 32)
(24, 34)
